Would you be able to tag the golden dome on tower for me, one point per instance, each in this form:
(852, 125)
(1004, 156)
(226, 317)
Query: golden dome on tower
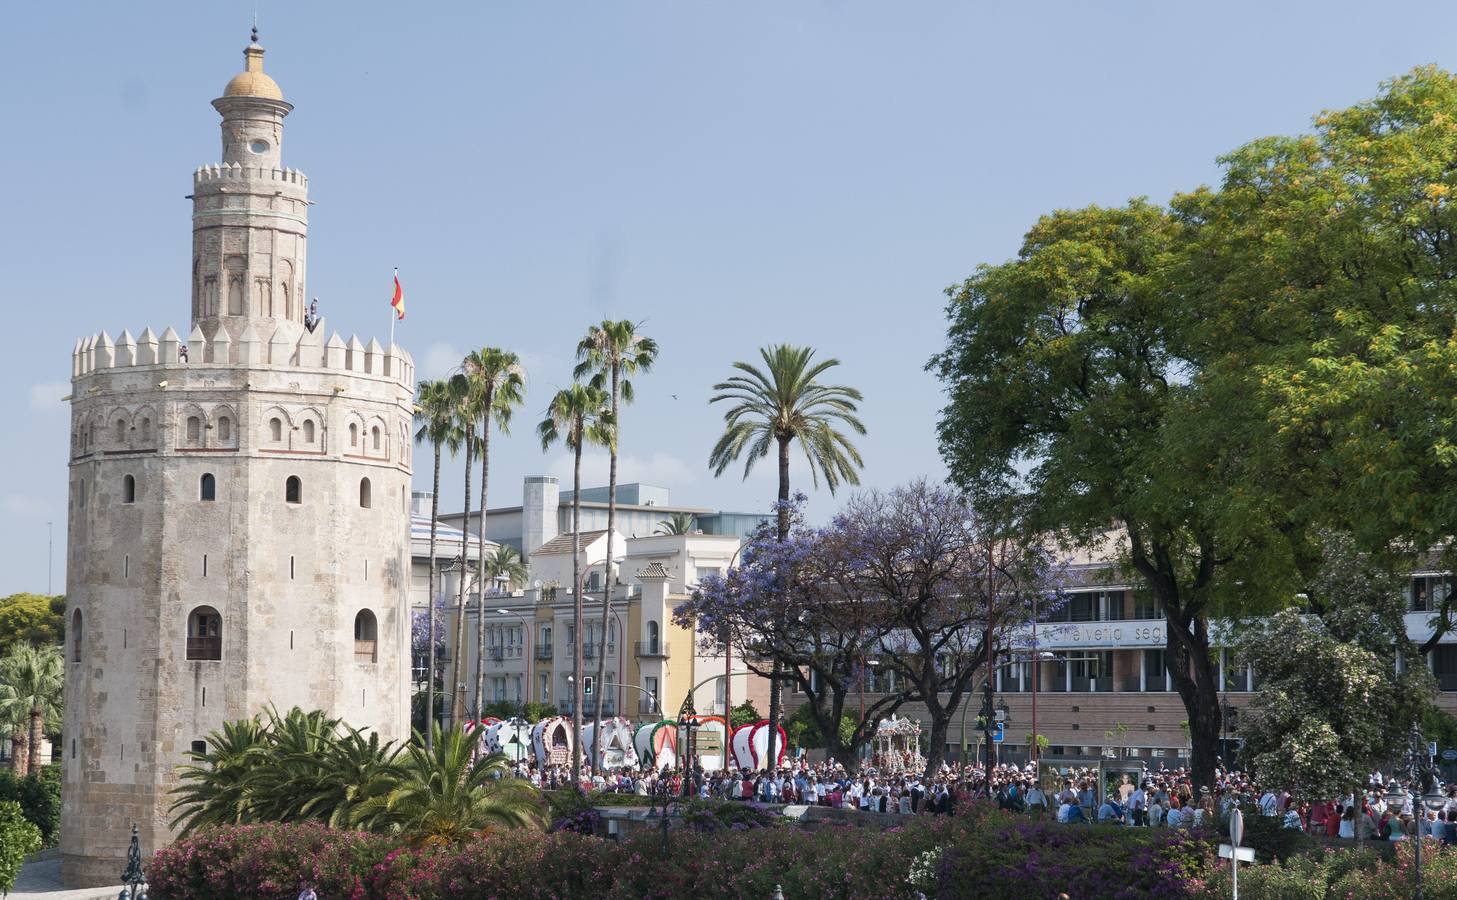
(253, 81)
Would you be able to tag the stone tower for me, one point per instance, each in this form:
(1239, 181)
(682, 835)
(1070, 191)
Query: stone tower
(239, 509)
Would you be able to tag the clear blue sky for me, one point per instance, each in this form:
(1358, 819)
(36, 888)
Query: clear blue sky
(734, 174)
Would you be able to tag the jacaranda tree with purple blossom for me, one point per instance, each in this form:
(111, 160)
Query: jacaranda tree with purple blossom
(915, 581)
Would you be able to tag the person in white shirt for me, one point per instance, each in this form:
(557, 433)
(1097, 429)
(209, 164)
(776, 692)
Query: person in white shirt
(1036, 800)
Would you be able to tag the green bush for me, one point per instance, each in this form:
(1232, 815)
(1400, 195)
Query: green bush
(1271, 839)
(18, 839)
(39, 797)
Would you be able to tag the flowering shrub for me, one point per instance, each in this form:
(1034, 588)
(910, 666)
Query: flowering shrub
(701, 815)
(1341, 874)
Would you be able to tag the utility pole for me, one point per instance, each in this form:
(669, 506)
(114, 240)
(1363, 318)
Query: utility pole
(50, 552)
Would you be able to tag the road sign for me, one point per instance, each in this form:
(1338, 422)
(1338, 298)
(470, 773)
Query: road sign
(1449, 755)
(1243, 854)
(997, 735)
(1236, 827)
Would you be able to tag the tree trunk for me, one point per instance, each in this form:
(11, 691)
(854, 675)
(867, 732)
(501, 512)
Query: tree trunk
(1195, 679)
(606, 575)
(17, 753)
(430, 611)
(936, 743)
(37, 735)
(774, 677)
(481, 557)
(577, 605)
(457, 680)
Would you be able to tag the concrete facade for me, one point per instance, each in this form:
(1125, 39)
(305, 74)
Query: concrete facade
(239, 510)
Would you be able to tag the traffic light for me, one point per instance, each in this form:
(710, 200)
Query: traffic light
(587, 686)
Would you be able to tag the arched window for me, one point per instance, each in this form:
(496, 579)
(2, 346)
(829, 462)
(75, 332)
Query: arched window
(194, 429)
(76, 636)
(353, 435)
(121, 431)
(364, 493)
(146, 429)
(207, 489)
(204, 634)
(653, 638)
(374, 436)
(275, 429)
(225, 429)
(366, 637)
(293, 490)
(308, 431)
(128, 490)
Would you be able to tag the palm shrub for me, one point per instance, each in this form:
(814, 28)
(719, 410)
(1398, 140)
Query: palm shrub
(32, 678)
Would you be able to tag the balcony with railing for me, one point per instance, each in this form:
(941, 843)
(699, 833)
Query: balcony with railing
(496, 654)
(543, 651)
(589, 651)
(650, 650)
(204, 648)
(1130, 685)
(647, 706)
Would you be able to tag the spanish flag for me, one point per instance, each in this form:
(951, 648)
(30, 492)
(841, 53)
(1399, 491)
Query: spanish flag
(398, 300)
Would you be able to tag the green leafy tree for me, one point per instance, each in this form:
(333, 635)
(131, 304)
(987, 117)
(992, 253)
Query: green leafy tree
(450, 793)
(32, 619)
(1078, 387)
(802, 731)
(610, 353)
(493, 382)
(32, 678)
(782, 404)
(435, 413)
(677, 523)
(743, 714)
(576, 417)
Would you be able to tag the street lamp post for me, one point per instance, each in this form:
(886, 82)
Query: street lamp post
(1424, 797)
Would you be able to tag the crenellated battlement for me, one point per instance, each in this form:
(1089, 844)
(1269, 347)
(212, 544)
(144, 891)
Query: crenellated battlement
(227, 173)
(99, 353)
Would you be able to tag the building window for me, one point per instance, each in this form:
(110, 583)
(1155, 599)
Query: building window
(374, 437)
(1444, 666)
(204, 634)
(653, 638)
(366, 637)
(275, 429)
(308, 431)
(76, 636)
(364, 493)
(199, 747)
(128, 490)
(1426, 593)
(225, 429)
(146, 429)
(353, 435)
(293, 490)
(1155, 678)
(120, 431)
(194, 429)
(207, 488)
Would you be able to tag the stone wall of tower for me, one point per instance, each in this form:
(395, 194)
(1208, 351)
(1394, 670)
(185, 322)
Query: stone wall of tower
(287, 579)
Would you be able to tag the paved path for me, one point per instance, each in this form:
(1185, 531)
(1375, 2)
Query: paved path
(40, 879)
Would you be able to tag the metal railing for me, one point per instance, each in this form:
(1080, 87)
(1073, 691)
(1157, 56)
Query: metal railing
(650, 650)
(646, 706)
(496, 654)
(204, 648)
(543, 651)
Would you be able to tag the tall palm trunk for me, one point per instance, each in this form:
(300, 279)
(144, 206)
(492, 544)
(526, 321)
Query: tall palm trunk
(17, 753)
(577, 605)
(607, 574)
(481, 556)
(430, 610)
(783, 530)
(37, 734)
(457, 681)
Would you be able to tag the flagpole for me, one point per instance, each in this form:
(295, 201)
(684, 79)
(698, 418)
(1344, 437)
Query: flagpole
(394, 313)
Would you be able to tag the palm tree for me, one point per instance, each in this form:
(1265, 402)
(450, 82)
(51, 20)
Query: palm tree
(676, 523)
(213, 791)
(495, 380)
(448, 794)
(504, 564)
(610, 352)
(14, 721)
(435, 413)
(465, 417)
(576, 416)
(35, 676)
(780, 405)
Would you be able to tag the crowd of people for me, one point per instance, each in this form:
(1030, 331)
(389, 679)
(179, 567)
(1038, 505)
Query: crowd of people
(1152, 798)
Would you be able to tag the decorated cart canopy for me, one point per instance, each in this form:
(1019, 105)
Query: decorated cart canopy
(551, 741)
(615, 749)
(898, 745)
(750, 745)
(511, 737)
(657, 744)
(710, 740)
